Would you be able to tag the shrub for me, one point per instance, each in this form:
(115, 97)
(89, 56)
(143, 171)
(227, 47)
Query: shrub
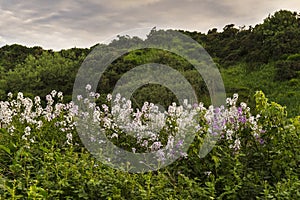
(42, 156)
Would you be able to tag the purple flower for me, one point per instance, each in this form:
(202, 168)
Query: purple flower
(216, 127)
(243, 119)
(214, 133)
(179, 143)
(231, 120)
(261, 141)
(240, 110)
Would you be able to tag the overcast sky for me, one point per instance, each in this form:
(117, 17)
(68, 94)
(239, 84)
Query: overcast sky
(63, 24)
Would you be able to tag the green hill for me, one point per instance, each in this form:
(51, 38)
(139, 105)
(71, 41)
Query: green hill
(265, 57)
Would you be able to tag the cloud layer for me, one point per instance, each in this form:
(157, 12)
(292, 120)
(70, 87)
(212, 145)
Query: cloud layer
(62, 24)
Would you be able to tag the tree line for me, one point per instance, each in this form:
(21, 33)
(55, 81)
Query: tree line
(270, 49)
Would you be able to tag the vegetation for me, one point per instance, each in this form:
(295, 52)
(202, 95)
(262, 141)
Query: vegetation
(264, 57)
(43, 157)
(257, 157)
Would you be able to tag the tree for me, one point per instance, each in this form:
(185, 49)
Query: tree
(280, 34)
(39, 76)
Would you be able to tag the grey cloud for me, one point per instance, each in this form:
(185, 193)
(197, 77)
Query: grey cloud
(61, 24)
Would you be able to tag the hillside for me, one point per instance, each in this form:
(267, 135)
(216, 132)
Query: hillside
(264, 57)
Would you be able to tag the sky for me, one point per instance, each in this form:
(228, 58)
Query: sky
(64, 24)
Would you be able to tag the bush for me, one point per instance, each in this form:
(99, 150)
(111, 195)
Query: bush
(42, 156)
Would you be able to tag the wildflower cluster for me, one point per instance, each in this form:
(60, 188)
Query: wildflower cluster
(232, 122)
(42, 156)
(32, 116)
(168, 133)
(147, 129)
(142, 130)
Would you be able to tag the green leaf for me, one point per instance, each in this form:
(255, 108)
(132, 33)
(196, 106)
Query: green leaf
(7, 150)
(44, 149)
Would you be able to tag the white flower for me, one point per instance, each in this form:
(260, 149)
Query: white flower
(92, 94)
(156, 146)
(228, 101)
(53, 93)
(49, 98)
(60, 95)
(106, 109)
(185, 102)
(86, 101)
(114, 135)
(179, 110)
(243, 105)
(24, 137)
(161, 155)
(133, 150)
(69, 138)
(27, 130)
(10, 95)
(207, 173)
(20, 95)
(88, 87)
(229, 134)
(97, 95)
(145, 143)
(11, 129)
(40, 124)
(184, 155)
(92, 105)
(79, 97)
(37, 100)
(237, 144)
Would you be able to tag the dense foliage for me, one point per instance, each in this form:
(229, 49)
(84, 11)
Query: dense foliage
(42, 156)
(264, 57)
